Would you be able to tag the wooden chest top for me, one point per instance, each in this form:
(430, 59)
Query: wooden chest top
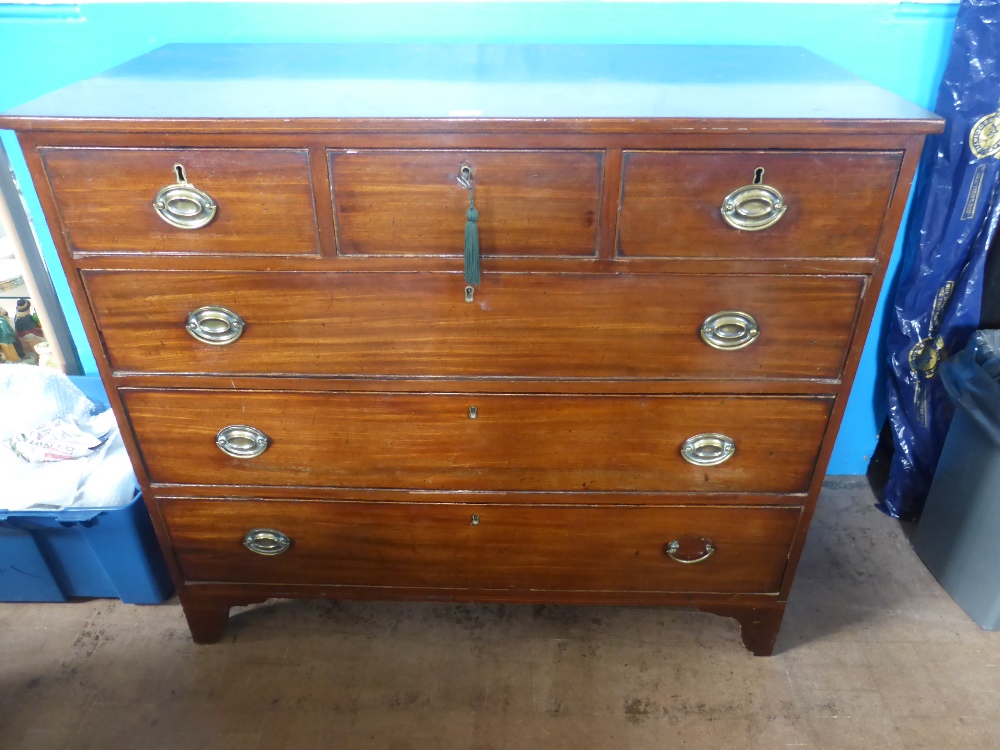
(455, 87)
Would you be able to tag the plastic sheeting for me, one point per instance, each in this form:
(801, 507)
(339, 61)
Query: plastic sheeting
(939, 295)
(972, 380)
(30, 397)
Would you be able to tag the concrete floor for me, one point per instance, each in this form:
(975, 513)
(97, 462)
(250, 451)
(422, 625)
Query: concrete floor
(872, 654)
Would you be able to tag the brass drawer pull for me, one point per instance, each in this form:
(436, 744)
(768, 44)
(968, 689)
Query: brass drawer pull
(241, 441)
(729, 330)
(753, 207)
(182, 205)
(215, 325)
(703, 547)
(268, 542)
(708, 449)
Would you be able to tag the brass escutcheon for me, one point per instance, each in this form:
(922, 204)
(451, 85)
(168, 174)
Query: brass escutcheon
(753, 207)
(182, 205)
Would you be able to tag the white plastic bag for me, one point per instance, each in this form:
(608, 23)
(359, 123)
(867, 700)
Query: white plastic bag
(31, 396)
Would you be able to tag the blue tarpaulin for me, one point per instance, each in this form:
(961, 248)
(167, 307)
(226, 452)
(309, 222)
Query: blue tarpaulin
(939, 294)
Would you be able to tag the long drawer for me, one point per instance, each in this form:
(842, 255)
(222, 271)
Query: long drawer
(521, 325)
(107, 200)
(744, 550)
(805, 204)
(480, 441)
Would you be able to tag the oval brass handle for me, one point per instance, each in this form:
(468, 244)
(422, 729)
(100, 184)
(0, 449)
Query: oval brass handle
(675, 550)
(729, 330)
(708, 449)
(242, 441)
(753, 207)
(184, 206)
(266, 541)
(215, 325)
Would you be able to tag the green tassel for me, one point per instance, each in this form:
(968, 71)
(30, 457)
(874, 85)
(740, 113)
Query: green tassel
(472, 244)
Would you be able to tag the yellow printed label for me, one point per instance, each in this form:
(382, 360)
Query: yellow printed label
(969, 212)
(925, 356)
(984, 140)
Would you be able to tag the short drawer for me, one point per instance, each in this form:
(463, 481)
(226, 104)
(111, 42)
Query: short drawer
(481, 441)
(827, 203)
(520, 325)
(410, 202)
(263, 200)
(738, 550)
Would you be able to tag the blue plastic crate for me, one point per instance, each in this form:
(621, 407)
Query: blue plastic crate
(53, 556)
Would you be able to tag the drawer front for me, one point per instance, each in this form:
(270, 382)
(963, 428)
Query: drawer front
(834, 203)
(530, 203)
(479, 441)
(487, 546)
(520, 325)
(105, 197)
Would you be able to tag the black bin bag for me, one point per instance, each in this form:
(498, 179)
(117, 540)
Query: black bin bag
(972, 381)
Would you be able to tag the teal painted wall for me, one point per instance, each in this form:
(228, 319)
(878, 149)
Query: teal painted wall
(901, 47)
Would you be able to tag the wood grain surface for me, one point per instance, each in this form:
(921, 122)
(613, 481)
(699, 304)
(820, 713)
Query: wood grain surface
(599, 172)
(409, 202)
(516, 442)
(520, 325)
(671, 203)
(566, 548)
(104, 197)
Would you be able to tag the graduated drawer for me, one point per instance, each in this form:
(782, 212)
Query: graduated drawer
(105, 198)
(834, 201)
(410, 202)
(484, 546)
(479, 441)
(520, 325)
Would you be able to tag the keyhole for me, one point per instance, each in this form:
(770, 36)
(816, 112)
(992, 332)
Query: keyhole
(179, 169)
(758, 175)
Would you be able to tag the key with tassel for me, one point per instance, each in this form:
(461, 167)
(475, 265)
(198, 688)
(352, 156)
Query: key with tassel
(472, 273)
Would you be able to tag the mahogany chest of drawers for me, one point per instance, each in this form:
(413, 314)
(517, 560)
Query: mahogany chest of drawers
(477, 323)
